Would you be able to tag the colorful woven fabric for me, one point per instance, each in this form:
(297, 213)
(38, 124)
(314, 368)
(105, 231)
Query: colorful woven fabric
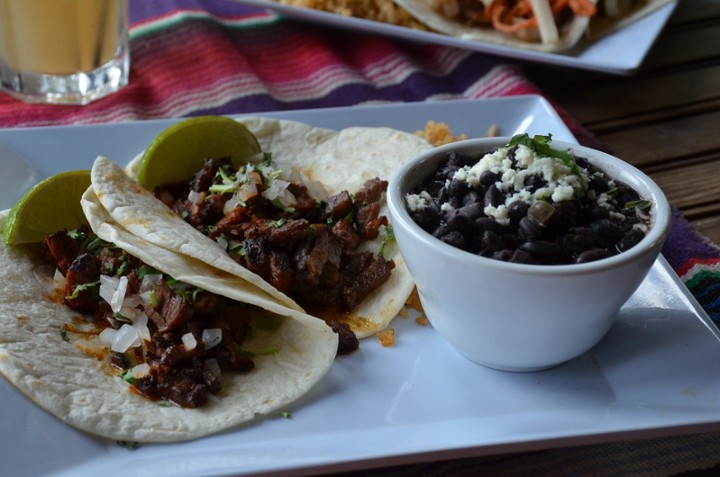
(192, 57)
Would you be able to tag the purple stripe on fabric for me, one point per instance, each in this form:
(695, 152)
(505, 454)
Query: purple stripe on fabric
(142, 10)
(684, 243)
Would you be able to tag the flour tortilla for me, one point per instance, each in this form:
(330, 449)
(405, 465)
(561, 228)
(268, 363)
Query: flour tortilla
(340, 160)
(81, 391)
(566, 36)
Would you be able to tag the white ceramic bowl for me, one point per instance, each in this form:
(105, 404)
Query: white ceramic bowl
(512, 316)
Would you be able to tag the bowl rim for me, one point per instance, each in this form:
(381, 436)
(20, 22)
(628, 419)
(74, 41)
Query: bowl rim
(632, 176)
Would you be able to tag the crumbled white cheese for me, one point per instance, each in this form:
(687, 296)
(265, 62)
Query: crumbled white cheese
(418, 201)
(560, 181)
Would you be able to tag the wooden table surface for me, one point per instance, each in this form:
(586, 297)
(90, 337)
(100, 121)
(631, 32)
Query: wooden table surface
(665, 118)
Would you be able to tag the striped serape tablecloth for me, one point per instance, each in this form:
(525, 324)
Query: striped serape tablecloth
(192, 57)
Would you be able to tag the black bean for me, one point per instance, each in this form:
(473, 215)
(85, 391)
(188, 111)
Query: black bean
(503, 255)
(511, 241)
(442, 195)
(489, 178)
(593, 255)
(564, 215)
(472, 211)
(599, 212)
(606, 229)
(629, 240)
(486, 223)
(574, 244)
(455, 239)
(530, 229)
(471, 197)
(458, 222)
(427, 217)
(599, 184)
(533, 182)
(517, 210)
(493, 197)
(457, 188)
(541, 249)
(491, 241)
(519, 256)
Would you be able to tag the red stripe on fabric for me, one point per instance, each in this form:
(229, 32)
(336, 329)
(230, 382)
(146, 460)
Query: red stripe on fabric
(683, 269)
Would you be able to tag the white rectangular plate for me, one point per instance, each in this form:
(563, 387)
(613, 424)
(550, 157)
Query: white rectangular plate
(652, 375)
(620, 52)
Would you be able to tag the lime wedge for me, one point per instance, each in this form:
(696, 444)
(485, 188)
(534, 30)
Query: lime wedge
(178, 152)
(51, 205)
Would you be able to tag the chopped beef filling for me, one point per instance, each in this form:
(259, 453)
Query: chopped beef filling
(306, 247)
(184, 375)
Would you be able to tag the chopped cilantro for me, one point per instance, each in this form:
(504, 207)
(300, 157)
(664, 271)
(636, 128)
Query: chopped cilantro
(389, 237)
(286, 414)
(638, 204)
(122, 268)
(64, 333)
(146, 270)
(541, 145)
(128, 376)
(279, 223)
(82, 287)
(153, 299)
(121, 318)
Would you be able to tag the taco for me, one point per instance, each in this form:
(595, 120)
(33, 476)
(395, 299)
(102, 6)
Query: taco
(221, 352)
(345, 164)
(543, 25)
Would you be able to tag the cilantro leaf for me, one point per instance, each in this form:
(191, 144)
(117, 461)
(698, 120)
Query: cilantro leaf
(541, 146)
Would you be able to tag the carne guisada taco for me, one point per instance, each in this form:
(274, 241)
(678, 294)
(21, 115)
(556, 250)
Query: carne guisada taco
(304, 222)
(124, 327)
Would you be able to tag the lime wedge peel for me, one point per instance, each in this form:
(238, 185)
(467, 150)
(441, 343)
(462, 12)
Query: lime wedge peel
(51, 205)
(178, 152)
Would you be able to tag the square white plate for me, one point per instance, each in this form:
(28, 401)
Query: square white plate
(652, 375)
(620, 52)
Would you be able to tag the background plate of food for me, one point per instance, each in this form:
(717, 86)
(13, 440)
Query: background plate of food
(417, 399)
(611, 36)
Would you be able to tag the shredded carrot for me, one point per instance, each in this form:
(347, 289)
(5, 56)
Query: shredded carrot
(583, 7)
(513, 16)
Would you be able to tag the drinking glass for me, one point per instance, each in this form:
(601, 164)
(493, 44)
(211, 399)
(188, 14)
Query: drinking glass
(63, 51)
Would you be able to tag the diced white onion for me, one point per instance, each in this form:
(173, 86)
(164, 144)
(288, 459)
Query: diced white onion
(195, 197)
(106, 336)
(139, 371)
(211, 337)
(59, 280)
(247, 192)
(189, 341)
(126, 337)
(140, 325)
(112, 290)
(222, 243)
(231, 204)
(278, 189)
(149, 282)
(213, 366)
